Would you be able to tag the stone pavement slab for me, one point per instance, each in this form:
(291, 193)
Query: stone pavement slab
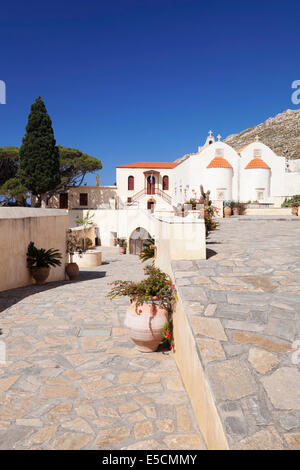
(61, 389)
(245, 317)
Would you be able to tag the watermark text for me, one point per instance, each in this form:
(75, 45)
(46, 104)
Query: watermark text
(296, 94)
(2, 92)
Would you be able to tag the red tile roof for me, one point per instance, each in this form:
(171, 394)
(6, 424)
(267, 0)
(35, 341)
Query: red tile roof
(257, 163)
(219, 162)
(149, 165)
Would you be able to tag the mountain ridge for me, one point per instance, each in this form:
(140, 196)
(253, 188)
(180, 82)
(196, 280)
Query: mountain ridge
(281, 133)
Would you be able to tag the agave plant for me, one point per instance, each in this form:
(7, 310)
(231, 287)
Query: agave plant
(41, 258)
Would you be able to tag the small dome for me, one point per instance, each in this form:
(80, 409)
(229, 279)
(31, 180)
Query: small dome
(219, 162)
(257, 163)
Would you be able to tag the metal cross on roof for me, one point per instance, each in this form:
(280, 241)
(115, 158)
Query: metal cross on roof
(219, 137)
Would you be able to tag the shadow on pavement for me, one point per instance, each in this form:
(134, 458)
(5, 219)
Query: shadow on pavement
(8, 298)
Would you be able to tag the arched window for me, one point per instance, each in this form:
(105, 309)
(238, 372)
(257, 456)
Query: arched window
(130, 183)
(165, 183)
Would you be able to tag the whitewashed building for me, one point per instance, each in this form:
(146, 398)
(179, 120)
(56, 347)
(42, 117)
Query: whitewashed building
(253, 173)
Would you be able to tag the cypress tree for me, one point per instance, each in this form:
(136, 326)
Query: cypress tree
(39, 156)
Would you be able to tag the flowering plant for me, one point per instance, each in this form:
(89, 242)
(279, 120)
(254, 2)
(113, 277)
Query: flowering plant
(209, 213)
(295, 204)
(157, 287)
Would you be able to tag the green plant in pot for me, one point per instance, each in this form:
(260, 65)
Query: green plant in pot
(122, 245)
(149, 316)
(39, 261)
(74, 245)
(295, 208)
(86, 222)
(228, 208)
(148, 251)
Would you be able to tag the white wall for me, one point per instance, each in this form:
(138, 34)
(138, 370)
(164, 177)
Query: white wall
(193, 172)
(20, 225)
(140, 184)
(276, 175)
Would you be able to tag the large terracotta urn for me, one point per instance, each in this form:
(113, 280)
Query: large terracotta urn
(295, 210)
(122, 250)
(227, 211)
(39, 274)
(145, 325)
(72, 271)
(236, 211)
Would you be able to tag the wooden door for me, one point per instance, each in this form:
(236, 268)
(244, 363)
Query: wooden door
(151, 185)
(63, 201)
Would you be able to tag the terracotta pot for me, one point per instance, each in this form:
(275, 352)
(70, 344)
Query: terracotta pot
(294, 210)
(72, 271)
(122, 250)
(145, 329)
(227, 211)
(236, 211)
(39, 274)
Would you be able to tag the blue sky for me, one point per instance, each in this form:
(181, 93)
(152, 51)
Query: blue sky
(143, 80)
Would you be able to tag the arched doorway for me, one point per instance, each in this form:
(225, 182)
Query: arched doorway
(151, 184)
(137, 239)
(151, 204)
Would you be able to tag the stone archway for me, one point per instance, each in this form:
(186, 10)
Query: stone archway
(151, 204)
(137, 239)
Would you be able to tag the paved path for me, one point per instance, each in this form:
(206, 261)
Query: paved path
(244, 307)
(62, 391)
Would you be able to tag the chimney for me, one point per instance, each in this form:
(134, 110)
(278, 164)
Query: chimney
(97, 180)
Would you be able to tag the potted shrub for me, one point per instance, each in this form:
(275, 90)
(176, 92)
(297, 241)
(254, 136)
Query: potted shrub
(210, 223)
(122, 245)
(86, 222)
(39, 262)
(148, 251)
(235, 208)
(149, 316)
(228, 208)
(295, 208)
(73, 245)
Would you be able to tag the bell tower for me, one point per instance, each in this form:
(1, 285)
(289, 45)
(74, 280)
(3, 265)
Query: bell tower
(209, 139)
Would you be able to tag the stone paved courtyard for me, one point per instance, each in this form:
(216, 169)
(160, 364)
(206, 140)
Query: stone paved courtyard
(243, 304)
(64, 391)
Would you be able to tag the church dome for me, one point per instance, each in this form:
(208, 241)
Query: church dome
(257, 163)
(219, 162)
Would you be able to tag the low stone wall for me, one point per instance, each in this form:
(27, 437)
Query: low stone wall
(179, 239)
(18, 226)
(236, 326)
(188, 359)
(269, 211)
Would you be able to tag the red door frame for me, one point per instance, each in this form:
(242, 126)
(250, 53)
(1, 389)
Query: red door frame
(150, 186)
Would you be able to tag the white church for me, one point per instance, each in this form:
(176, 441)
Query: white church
(253, 173)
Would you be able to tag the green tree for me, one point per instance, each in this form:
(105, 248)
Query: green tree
(74, 165)
(39, 156)
(9, 163)
(12, 192)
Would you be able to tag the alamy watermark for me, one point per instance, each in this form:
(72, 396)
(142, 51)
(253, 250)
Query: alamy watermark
(296, 94)
(2, 92)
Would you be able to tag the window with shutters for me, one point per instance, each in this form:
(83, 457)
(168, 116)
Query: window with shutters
(83, 199)
(130, 183)
(166, 183)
